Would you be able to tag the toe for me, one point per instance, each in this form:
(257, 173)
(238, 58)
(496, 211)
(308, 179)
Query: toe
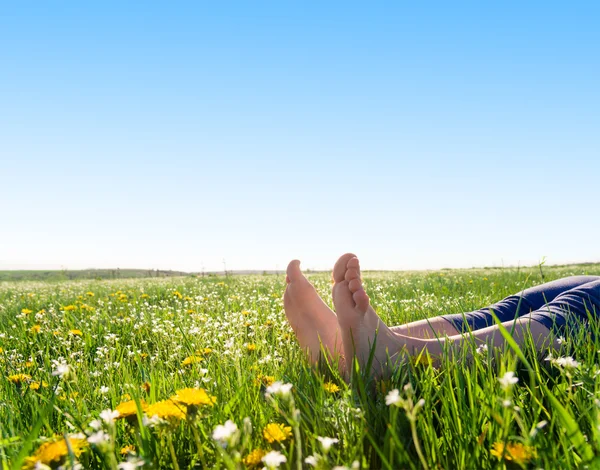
(293, 271)
(354, 285)
(353, 263)
(361, 299)
(339, 270)
(351, 273)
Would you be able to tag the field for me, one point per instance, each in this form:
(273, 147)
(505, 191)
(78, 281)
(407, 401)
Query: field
(187, 362)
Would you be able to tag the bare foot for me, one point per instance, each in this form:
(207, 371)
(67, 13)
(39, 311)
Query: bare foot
(360, 326)
(314, 323)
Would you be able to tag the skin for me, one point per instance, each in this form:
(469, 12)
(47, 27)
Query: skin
(352, 329)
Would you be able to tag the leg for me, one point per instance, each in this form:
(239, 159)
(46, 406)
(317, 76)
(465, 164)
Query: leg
(361, 327)
(507, 309)
(518, 304)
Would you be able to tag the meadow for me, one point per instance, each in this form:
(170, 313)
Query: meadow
(205, 372)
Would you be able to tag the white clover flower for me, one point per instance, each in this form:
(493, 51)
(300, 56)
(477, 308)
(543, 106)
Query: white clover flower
(96, 424)
(152, 421)
(109, 416)
(131, 464)
(327, 442)
(273, 460)
(482, 350)
(508, 380)
(61, 369)
(566, 362)
(312, 460)
(279, 388)
(506, 403)
(393, 398)
(104, 389)
(225, 433)
(98, 438)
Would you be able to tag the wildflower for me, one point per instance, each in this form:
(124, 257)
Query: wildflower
(37, 385)
(330, 387)
(254, 457)
(35, 329)
(225, 434)
(264, 380)
(482, 350)
(98, 438)
(104, 389)
(508, 380)
(109, 416)
(75, 332)
(126, 450)
(513, 451)
(251, 347)
(566, 362)
(166, 409)
(146, 387)
(90, 294)
(188, 361)
(273, 459)
(312, 460)
(275, 432)
(131, 464)
(177, 294)
(19, 379)
(26, 311)
(393, 398)
(279, 388)
(193, 397)
(53, 453)
(327, 442)
(61, 369)
(69, 308)
(129, 408)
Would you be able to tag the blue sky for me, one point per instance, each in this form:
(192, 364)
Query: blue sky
(420, 135)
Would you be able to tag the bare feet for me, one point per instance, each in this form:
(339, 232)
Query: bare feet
(360, 326)
(314, 323)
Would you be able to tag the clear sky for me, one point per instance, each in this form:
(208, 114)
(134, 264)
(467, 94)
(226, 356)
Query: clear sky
(181, 134)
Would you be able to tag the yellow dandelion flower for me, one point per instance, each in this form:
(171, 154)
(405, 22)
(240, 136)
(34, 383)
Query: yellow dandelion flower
(129, 408)
(76, 332)
(194, 397)
(123, 298)
(513, 451)
(188, 298)
(130, 449)
(166, 409)
(42, 312)
(188, 361)
(69, 308)
(265, 380)
(246, 313)
(145, 296)
(206, 351)
(19, 379)
(38, 385)
(144, 355)
(89, 294)
(53, 453)
(26, 311)
(254, 457)
(251, 347)
(330, 387)
(177, 294)
(268, 323)
(35, 329)
(1, 350)
(275, 432)
(190, 311)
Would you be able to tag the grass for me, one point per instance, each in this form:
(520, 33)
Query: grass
(128, 339)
